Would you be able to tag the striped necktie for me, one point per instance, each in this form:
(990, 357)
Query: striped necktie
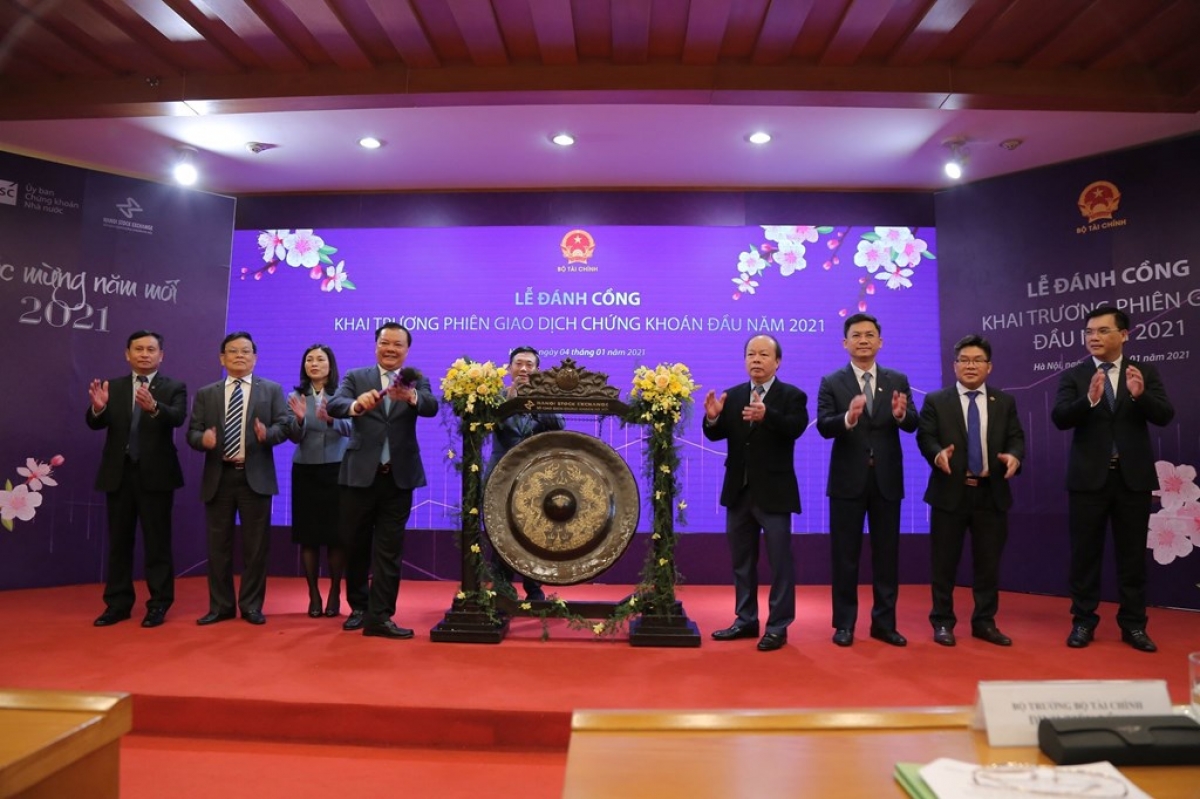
(233, 423)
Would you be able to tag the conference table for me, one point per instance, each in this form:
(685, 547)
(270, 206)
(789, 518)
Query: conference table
(768, 753)
(60, 744)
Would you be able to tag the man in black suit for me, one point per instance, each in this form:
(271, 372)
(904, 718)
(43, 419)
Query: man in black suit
(863, 407)
(512, 430)
(972, 437)
(1108, 400)
(236, 422)
(139, 472)
(761, 420)
(381, 468)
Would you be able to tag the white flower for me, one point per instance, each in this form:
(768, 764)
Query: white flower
(895, 276)
(20, 503)
(751, 263)
(790, 257)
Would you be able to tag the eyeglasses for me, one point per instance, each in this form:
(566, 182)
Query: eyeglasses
(971, 361)
(1099, 331)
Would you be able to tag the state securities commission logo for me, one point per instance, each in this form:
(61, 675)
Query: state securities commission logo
(577, 247)
(8, 192)
(1098, 202)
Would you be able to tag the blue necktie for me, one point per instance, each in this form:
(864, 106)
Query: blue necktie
(974, 436)
(1109, 396)
(233, 423)
(134, 446)
(385, 454)
(868, 392)
(1108, 389)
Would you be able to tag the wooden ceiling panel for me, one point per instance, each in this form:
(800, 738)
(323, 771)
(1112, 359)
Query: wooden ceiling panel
(404, 31)
(1114, 55)
(555, 29)
(780, 28)
(706, 24)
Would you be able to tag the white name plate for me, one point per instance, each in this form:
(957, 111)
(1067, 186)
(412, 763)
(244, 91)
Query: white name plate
(1011, 710)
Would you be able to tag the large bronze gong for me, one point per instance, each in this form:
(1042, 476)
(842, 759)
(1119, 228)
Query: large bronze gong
(561, 507)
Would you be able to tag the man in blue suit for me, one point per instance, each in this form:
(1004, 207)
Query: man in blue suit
(381, 468)
(760, 418)
(1107, 400)
(236, 422)
(863, 407)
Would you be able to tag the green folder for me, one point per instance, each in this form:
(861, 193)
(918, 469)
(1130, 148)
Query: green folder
(909, 777)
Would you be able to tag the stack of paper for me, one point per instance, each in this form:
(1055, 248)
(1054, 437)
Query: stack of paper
(945, 778)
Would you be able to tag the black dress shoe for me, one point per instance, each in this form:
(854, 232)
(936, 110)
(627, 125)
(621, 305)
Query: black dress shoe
(354, 621)
(214, 617)
(154, 617)
(843, 636)
(254, 616)
(110, 617)
(736, 630)
(333, 606)
(772, 641)
(387, 630)
(992, 635)
(889, 637)
(314, 606)
(943, 635)
(1080, 636)
(1138, 640)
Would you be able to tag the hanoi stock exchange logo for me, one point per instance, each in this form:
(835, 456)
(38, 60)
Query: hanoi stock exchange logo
(577, 247)
(1097, 203)
(129, 208)
(8, 192)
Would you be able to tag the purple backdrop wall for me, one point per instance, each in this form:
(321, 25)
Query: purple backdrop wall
(1022, 264)
(86, 259)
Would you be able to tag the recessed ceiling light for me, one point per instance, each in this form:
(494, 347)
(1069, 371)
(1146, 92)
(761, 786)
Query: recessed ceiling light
(563, 140)
(370, 143)
(759, 137)
(184, 170)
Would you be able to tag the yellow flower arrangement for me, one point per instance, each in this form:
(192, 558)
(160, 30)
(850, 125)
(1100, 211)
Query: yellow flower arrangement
(662, 391)
(471, 387)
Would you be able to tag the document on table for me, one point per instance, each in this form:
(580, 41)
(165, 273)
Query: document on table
(946, 778)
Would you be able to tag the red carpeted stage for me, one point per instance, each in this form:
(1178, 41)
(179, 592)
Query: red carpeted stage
(300, 708)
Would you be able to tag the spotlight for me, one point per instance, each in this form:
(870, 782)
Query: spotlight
(370, 143)
(563, 139)
(185, 172)
(759, 137)
(958, 157)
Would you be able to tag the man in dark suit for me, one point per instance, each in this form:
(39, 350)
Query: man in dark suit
(236, 422)
(1108, 400)
(512, 430)
(139, 472)
(972, 437)
(381, 468)
(761, 420)
(863, 407)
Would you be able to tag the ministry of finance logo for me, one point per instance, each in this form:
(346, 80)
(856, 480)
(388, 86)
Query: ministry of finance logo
(577, 247)
(8, 192)
(1098, 203)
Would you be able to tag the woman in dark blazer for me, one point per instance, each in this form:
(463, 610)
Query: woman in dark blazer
(322, 443)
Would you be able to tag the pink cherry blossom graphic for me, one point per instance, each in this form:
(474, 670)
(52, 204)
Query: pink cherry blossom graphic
(18, 503)
(1168, 538)
(1176, 484)
(36, 474)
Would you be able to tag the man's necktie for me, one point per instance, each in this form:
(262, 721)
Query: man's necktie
(385, 454)
(974, 436)
(1109, 396)
(233, 423)
(134, 445)
(868, 392)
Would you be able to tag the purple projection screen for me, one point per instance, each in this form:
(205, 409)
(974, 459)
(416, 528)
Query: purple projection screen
(611, 298)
